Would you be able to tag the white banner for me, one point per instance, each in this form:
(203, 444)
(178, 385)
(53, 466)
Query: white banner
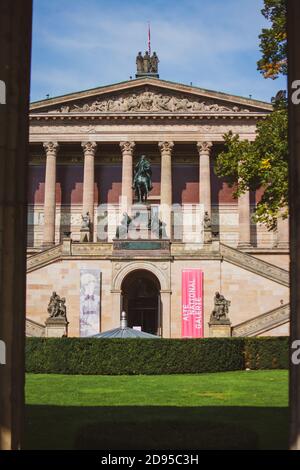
(89, 302)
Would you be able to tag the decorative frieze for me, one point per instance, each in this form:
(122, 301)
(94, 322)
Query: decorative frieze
(154, 101)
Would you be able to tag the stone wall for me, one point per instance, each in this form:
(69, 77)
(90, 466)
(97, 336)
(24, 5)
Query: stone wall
(225, 220)
(250, 294)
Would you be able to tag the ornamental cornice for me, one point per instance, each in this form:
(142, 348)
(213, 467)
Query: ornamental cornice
(146, 117)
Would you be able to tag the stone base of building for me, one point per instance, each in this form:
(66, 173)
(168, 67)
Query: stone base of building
(138, 275)
(282, 245)
(85, 235)
(244, 246)
(207, 236)
(219, 330)
(56, 328)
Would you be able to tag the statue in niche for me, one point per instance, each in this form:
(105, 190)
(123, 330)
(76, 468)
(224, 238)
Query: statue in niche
(206, 221)
(86, 221)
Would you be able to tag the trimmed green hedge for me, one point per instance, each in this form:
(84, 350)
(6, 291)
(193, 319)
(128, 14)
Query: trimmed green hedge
(267, 352)
(164, 356)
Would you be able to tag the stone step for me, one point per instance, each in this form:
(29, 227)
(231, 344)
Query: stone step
(255, 265)
(264, 322)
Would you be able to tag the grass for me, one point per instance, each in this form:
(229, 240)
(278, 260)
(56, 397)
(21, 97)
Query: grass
(59, 405)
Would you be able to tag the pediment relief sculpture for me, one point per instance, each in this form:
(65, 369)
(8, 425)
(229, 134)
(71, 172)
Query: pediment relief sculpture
(149, 101)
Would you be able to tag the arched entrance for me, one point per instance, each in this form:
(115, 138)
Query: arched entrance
(140, 298)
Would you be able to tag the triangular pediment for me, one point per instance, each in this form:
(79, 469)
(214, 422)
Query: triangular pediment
(149, 95)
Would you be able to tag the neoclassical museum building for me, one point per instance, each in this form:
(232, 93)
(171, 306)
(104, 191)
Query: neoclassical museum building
(93, 243)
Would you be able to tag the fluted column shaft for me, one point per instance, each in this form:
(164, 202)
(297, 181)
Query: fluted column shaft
(204, 149)
(244, 220)
(51, 149)
(127, 163)
(166, 183)
(89, 150)
(282, 232)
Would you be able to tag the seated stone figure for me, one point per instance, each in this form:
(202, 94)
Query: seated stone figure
(221, 309)
(57, 306)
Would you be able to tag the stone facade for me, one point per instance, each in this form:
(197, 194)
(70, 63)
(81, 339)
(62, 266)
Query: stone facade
(83, 150)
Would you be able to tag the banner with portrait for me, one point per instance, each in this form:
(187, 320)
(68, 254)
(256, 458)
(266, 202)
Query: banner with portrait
(89, 302)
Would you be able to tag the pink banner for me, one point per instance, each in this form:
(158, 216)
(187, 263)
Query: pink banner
(192, 303)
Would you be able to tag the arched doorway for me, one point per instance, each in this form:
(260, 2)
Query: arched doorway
(140, 293)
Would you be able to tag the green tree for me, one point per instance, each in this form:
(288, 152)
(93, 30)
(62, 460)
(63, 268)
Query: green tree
(263, 162)
(273, 40)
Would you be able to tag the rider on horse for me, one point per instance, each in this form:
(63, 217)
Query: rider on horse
(142, 176)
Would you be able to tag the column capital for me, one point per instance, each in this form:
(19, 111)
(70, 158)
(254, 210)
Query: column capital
(51, 147)
(204, 146)
(127, 146)
(166, 146)
(89, 147)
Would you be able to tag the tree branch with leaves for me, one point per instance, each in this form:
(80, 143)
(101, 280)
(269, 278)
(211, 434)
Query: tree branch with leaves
(263, 163)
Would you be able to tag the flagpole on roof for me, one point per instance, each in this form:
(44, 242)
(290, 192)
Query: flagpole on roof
(149, 38)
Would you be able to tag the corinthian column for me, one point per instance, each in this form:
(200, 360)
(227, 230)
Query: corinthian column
(49, 201)
(282, 232)
(166, 183)
(127, 158)
(89, 150)
(244, 220)
(204, 149)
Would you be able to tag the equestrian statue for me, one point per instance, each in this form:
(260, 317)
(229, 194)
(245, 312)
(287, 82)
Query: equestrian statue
(142, 183)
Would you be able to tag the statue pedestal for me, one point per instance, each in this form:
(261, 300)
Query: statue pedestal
(85, 235)
(220, 329)
(141, 216)
(207, 235)
(56, 327)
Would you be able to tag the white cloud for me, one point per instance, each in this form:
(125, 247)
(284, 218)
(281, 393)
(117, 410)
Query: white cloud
(204, 42)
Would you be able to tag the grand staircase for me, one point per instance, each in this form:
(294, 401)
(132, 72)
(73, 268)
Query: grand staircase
(255, 265)
(264, 322)
(98, 250)
(255, 326)
(34, 329)
(68, 249)
(44, 257)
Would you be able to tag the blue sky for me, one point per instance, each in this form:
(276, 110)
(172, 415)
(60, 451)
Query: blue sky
(82, 44)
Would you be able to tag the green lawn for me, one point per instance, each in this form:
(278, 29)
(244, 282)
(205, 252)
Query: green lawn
(59, 405)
